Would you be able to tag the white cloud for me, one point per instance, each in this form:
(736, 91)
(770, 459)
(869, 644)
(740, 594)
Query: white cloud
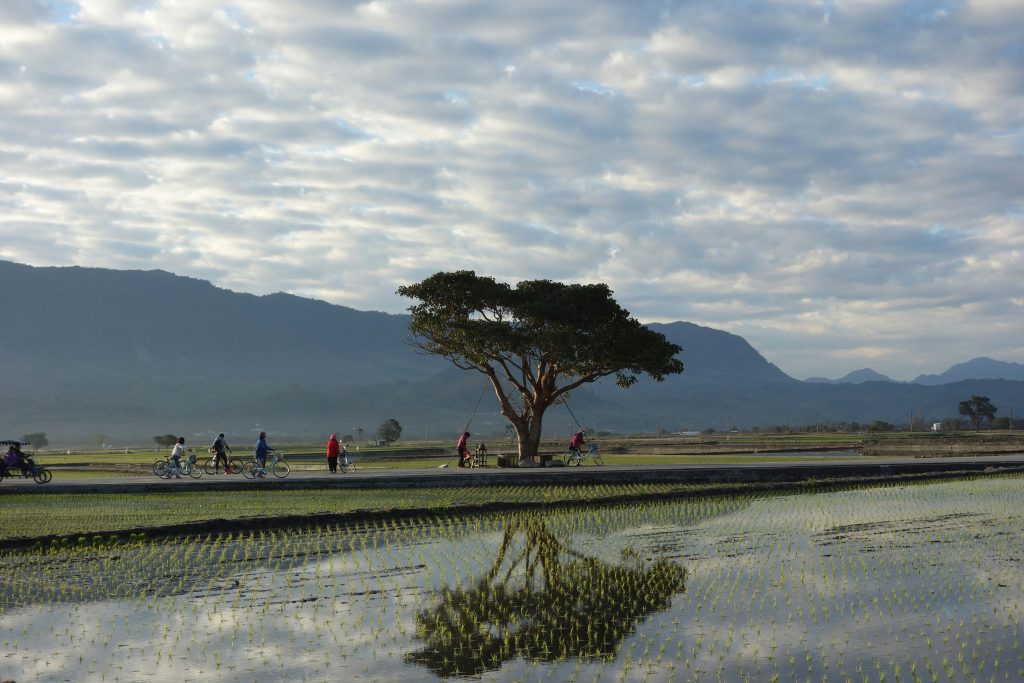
(811, 177)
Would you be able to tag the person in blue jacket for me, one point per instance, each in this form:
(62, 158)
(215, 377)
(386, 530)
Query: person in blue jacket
(261, 451)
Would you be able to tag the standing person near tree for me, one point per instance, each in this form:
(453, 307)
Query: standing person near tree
(220, 449)
(333, 451)
(463, 450)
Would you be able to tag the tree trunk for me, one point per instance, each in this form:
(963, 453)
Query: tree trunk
(529, 437)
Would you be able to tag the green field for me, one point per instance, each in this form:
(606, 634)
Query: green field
(879, 583)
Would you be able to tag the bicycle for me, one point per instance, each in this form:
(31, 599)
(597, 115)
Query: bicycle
(234, 466)
(576, 457)
(277, 465)
(346, 465)
(165, 469)
(38, 473)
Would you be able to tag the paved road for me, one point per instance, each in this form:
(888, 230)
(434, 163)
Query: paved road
(810, 468)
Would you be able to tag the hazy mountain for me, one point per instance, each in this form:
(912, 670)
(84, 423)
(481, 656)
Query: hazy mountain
(131, 354)
(976, 368)
(855, 377)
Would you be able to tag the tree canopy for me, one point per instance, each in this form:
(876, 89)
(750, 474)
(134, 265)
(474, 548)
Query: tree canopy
(977, 409)
(36, 439)
(536, 341)
(389, 431)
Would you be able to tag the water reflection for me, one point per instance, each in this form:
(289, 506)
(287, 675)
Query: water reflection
(543, 601)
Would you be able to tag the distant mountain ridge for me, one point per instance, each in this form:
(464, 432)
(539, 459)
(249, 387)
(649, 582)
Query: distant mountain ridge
(132, 354)
(976, 368)
(855, 377)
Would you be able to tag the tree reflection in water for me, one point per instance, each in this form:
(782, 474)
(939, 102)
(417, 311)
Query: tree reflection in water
(535, 604)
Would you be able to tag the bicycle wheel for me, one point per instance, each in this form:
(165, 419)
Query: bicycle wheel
(598, 460)
(162, 469)
(281, 469)
(195, 471)
(41, 476)
(250, 470)
(573, 459)
(210, 466)
(236, 466)
(157, 466)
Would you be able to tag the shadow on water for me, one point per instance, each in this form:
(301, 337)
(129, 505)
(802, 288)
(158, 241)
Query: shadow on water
(543, 601)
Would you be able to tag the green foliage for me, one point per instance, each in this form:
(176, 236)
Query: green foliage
(535, 341)
(36, 439)
(390, 431)
(165, 440)
(978, 408)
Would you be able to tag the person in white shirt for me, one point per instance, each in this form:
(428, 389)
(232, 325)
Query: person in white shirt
(176, 453)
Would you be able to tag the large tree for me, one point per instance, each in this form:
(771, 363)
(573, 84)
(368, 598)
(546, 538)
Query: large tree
(36, 439)
(389, 431)
(535, 342)
(977, 409)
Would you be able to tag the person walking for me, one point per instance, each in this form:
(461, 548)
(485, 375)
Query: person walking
(333, 451)
(261, 453)
(220, 450)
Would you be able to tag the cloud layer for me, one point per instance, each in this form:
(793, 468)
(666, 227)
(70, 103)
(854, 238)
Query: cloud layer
(839, 182)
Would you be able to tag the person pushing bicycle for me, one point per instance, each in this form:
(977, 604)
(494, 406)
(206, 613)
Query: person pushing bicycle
(261, 452)
(220, 450)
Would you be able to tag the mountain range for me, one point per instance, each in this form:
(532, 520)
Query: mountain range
(125, 355)
(976, 368)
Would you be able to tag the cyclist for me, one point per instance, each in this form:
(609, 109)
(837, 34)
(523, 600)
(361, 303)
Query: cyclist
(176, 453)
(15, 458)
(261, 453)
(220, 449)
(576, 444)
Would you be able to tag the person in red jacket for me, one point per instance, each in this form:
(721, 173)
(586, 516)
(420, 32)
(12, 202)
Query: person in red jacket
(578, 439)
(463, 450)
(333, 451)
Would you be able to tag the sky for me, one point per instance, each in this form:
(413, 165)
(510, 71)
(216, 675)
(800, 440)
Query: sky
(840, 183)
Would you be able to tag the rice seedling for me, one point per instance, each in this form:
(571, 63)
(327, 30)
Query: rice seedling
(881, 583)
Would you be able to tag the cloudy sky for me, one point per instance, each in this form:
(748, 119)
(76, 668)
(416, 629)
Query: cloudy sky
(841, 183)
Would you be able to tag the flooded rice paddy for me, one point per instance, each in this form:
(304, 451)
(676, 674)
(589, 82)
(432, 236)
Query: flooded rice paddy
(895, 583)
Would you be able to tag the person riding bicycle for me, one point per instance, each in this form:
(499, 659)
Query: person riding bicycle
(463, 450)
(578, 439)
(220, 449)
(176, 453)
(15, 458)
(262, 449)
